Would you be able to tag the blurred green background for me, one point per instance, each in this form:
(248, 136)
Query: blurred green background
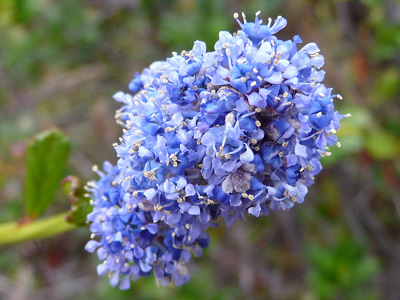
(60, 64)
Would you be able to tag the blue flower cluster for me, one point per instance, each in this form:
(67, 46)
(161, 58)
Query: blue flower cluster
(207, 135)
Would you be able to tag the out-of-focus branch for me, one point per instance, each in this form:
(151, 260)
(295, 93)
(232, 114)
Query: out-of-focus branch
(13, 232)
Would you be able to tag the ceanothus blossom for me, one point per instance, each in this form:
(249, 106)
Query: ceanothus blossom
(223, 134)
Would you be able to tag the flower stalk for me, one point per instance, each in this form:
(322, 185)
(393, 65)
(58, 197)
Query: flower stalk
(15, 232)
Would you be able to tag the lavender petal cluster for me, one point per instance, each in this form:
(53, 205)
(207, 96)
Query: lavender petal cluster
(223, 134)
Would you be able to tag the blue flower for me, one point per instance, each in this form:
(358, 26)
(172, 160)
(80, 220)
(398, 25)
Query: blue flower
(207, 135)
(136, 84)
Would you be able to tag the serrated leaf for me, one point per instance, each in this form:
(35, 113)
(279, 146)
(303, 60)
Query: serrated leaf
(45, 164)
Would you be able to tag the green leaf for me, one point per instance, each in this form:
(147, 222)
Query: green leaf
(45, 164)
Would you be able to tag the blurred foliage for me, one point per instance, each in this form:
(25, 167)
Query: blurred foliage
(60, 64)
(341, 271)
(42, 32)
